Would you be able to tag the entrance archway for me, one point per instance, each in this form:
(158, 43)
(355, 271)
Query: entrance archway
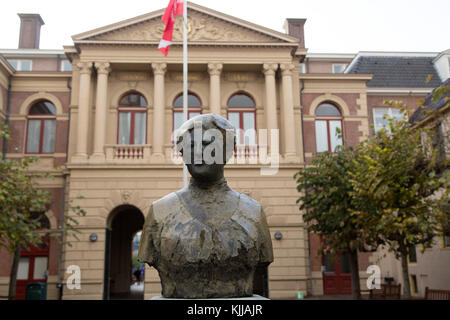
(123, 224)
(33, 261)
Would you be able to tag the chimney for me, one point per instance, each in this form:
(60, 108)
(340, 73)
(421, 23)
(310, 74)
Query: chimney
(295, 28)
(30, 30)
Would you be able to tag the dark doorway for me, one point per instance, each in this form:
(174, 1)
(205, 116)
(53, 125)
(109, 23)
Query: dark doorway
(124, 222)
(336, 274)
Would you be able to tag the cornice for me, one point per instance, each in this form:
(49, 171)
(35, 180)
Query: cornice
(334, 76)
(191, 44)
(42, 74)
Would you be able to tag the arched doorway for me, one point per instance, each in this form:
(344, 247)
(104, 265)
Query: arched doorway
(124, 222)
(33, 261)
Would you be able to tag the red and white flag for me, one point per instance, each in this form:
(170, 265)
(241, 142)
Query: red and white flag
(174, 8)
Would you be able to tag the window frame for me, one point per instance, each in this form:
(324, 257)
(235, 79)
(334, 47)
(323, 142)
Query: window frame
(327, 119)
(179, 109)
(133, 110)
(42, 118)
(19, 64)
(62, 65)
(302, 69)
(374, 118)
(343, 65)
(241, 111)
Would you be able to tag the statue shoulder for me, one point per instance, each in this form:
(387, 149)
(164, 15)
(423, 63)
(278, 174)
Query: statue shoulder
(165, 206)
(251, 207)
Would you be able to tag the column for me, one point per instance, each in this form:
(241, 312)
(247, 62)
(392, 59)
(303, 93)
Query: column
(83, 111)
(159, 70)
(269, 70)
(288, 110)
(214, 70)
(103, 69)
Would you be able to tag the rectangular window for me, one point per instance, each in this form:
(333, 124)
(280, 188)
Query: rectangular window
(249, 128)
(48, 142)
(335, 134)
(344, 262)
(34, 136)
(339, 67)
(124, 127)
(178, 117)
(321, 136)
(446, 235)
(302, 68)
(412, 254)
(21, 65)
(233, 117)
(328, 263)
(66, 65)
(139, 127)
(22, 270)
(40, 267)
(14, 64)
(25, 65)
(379, 117)
(414, 288)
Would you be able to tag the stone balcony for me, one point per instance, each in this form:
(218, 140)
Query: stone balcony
(117, 154)
(127, 154)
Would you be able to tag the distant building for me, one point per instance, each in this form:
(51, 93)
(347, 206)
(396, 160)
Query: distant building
(104, 109)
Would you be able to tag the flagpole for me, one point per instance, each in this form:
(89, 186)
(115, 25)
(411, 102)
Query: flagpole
(185, 80)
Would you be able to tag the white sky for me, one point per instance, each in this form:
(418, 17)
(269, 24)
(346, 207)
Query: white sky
(332, 26)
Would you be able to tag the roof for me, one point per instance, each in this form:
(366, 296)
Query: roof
(430, 105)
(397, 71)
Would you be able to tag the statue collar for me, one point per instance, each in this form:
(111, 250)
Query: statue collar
(215, 187)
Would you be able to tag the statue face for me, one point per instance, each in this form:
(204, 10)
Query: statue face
(207, 143)
(202, 171)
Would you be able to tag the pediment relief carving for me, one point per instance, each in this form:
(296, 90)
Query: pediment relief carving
(201, 27)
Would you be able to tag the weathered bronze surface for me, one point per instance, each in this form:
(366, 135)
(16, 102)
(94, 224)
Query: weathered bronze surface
(206, 240)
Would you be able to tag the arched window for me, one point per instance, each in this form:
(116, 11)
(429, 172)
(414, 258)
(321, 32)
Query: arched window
(194, 109)
(41, 128)
(328, 127)
(132, 119)
(241, 113)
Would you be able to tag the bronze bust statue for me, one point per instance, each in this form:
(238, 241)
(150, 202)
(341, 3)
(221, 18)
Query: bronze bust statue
(206, 240)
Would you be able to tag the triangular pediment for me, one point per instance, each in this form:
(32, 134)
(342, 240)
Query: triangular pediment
(204, 26)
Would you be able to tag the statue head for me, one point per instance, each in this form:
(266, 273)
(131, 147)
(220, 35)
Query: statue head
(206, 142)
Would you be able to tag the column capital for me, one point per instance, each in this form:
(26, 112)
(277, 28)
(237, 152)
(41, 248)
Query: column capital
(215, 68)
(102, 67)
(286, 68)
(159, 68)
(84, 67)
(269, 69)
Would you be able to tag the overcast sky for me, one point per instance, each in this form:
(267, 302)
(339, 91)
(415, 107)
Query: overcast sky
(332, 26)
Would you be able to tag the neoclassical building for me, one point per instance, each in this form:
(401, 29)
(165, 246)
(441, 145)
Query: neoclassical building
(100, 115)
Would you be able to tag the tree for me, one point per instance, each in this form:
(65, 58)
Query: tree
(20, 200)
(327, 204)
(394, 186)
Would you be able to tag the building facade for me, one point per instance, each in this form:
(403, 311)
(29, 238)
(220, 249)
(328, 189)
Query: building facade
(100, 115)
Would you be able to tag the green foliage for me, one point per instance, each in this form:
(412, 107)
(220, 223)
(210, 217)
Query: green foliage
(395, 188)
(20, 197)
(325, 190)
(18, 200)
